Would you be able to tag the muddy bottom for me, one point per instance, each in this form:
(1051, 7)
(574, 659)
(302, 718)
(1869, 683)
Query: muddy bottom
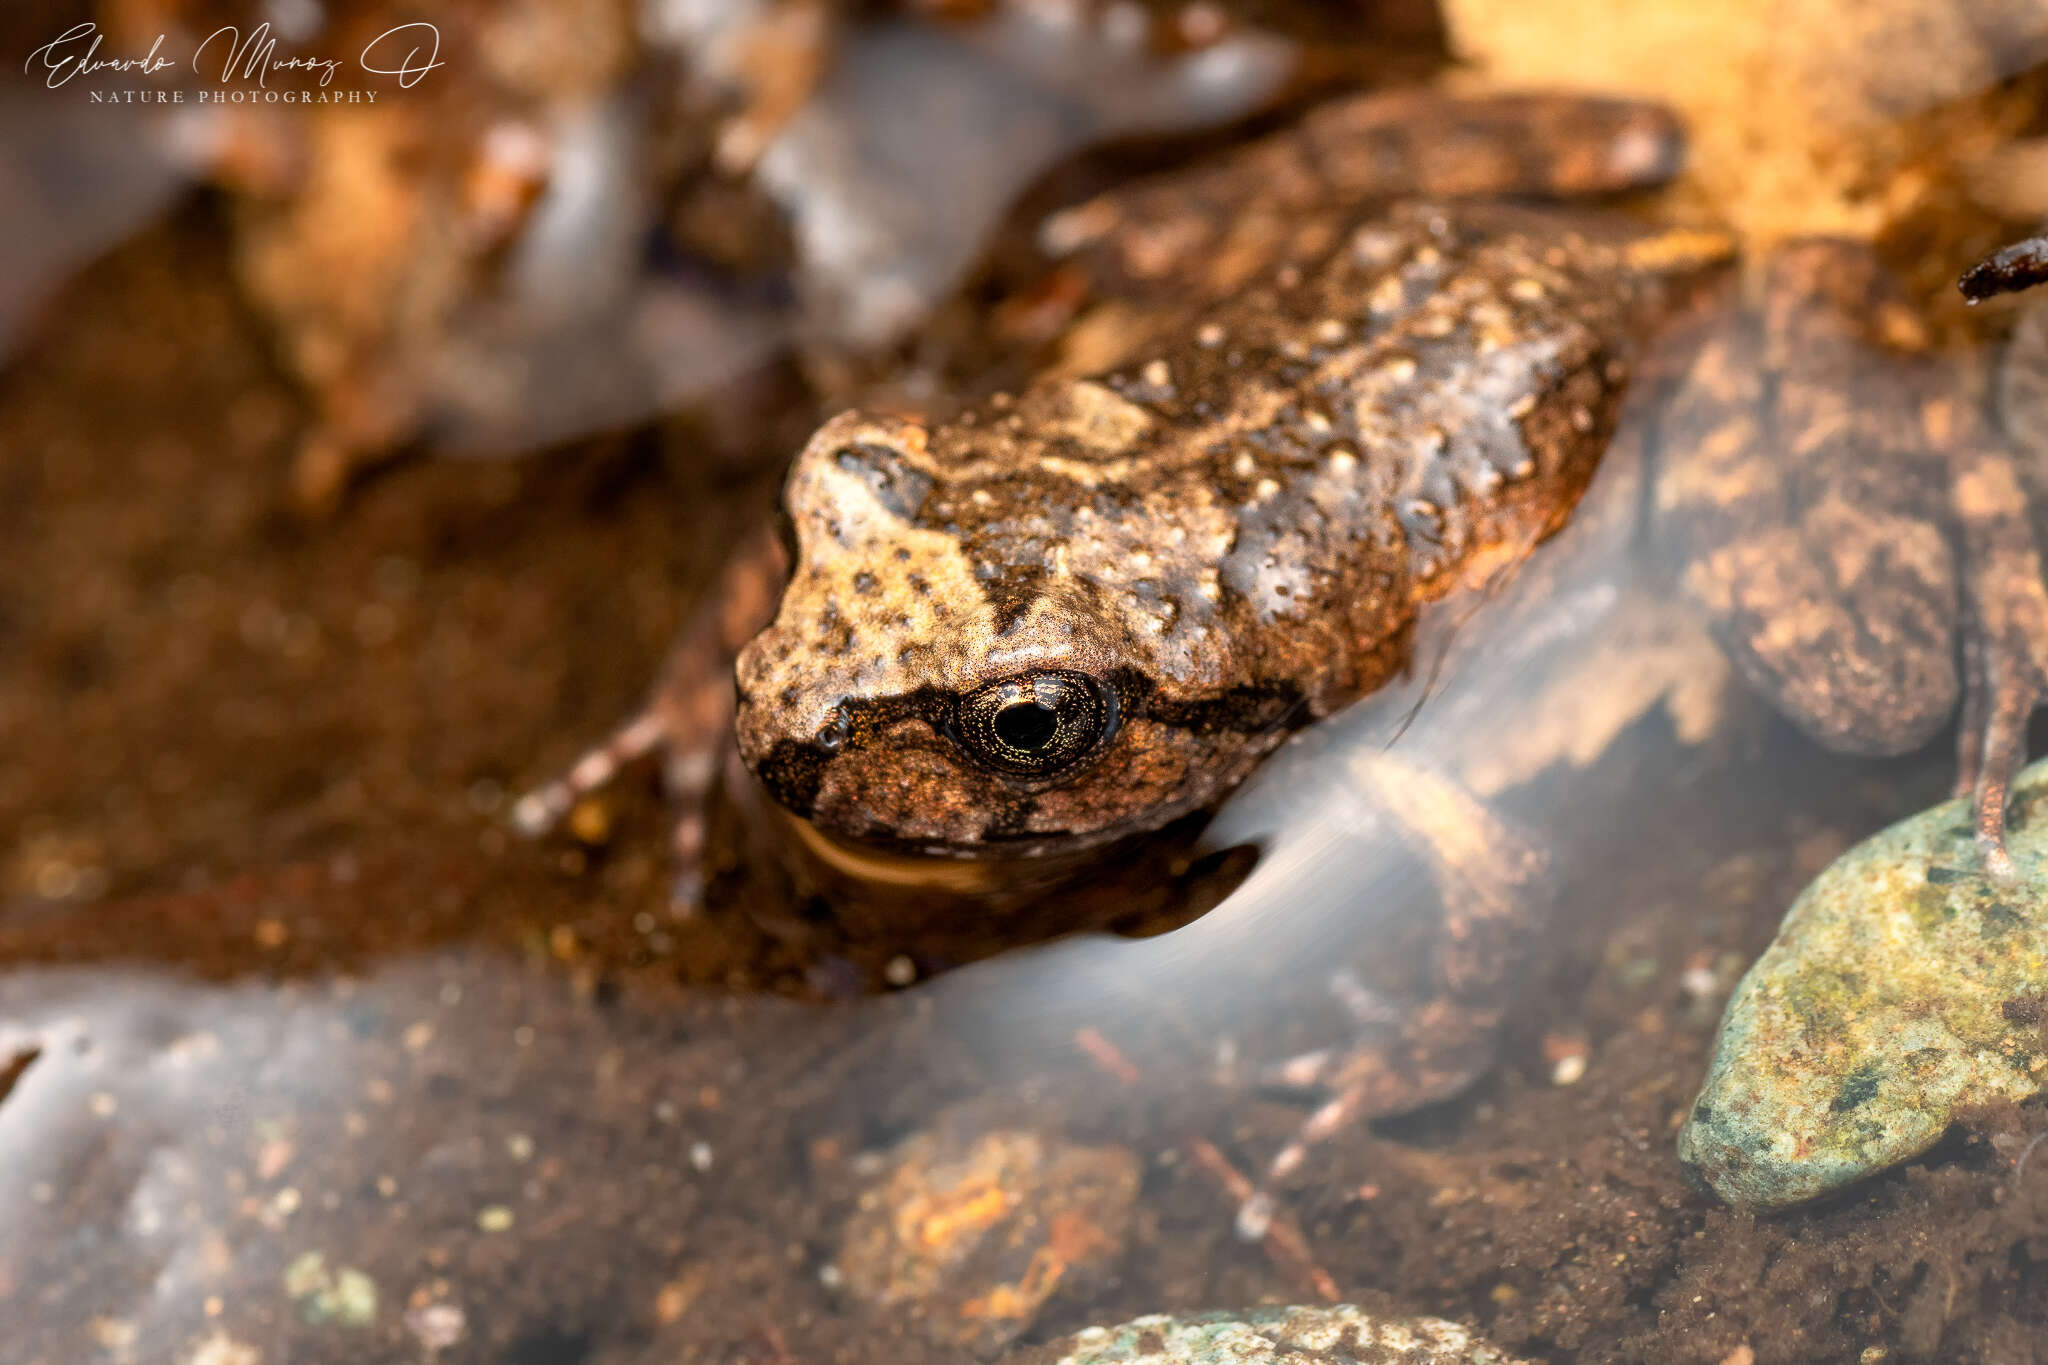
(303, 1059)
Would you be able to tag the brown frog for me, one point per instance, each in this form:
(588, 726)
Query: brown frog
(1342, 383)
(1054, 622)
(1076, 614)
(1328, 413)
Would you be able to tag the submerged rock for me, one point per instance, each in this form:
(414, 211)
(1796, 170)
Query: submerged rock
(974, 1232)
(1340, 1334)
(1904, 986)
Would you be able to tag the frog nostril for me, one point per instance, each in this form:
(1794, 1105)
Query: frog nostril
(834, 732)
(1026, 725)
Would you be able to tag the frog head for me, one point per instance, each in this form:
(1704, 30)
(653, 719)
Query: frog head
(953, 670)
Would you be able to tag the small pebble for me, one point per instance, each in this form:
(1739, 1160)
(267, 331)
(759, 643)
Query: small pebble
(980, 1229)
(1567, 1055)
(437, 1326)
(590, 821)
(346, 1296)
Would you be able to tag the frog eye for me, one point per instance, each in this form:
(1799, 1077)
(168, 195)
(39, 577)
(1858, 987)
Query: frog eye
(1035, 725)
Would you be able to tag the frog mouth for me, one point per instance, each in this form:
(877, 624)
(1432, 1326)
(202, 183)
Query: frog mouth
(798, 776)
(877, 785)
(936, 869)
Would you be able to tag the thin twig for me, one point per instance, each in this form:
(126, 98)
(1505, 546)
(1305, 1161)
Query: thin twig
(1284, 1244)
(1105, 1055)
(1283, 1241)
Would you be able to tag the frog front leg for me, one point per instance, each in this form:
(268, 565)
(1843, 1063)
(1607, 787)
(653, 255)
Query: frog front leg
(1494, 885)
(688, 715)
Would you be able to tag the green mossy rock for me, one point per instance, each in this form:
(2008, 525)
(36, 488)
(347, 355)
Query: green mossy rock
(1339, 1335)
(1903, 987)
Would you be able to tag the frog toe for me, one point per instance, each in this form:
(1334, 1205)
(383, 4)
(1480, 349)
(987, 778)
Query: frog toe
(1991, 746)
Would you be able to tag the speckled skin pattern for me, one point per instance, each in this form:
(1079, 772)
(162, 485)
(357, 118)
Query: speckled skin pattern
(1322, 381)
(1302, 390)
(1177, 561)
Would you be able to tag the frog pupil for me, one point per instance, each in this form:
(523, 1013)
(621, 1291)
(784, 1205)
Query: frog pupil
(1035, 726)
(1026, 725)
